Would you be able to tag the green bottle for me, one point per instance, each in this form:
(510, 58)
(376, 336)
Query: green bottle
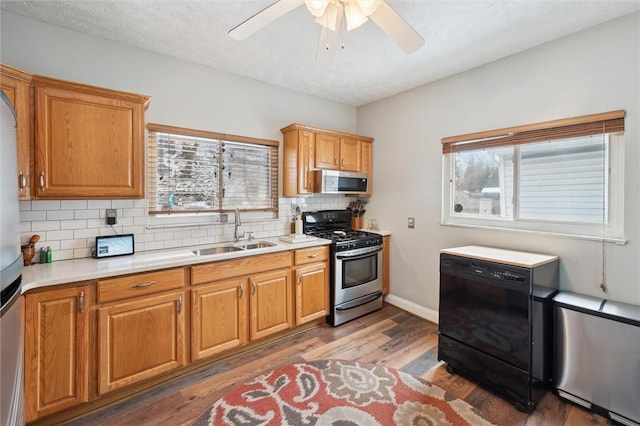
(43, 255)
(49, 254)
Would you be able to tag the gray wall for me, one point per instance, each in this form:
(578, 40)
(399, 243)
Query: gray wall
(592, 71)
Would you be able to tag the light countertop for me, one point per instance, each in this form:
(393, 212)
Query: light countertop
(68, 271)
(507, 257)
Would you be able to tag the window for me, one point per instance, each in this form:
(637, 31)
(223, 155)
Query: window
(562, 177)
(192, 171)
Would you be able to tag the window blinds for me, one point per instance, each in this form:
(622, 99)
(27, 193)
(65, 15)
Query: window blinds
(195, 171)
(587, 125)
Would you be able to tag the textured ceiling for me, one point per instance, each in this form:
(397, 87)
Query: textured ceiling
(459, 34)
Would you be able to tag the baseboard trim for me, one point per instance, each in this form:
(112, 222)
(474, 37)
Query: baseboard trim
(414, 308)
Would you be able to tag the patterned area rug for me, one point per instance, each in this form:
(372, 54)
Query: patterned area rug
(344, 393)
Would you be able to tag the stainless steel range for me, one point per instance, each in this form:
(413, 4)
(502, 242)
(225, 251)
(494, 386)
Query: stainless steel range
(356, 264)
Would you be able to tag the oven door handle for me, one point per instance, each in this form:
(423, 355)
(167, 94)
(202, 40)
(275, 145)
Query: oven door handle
(359, 255)
(359, 301)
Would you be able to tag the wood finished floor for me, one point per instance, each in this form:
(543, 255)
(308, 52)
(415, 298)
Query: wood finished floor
(389, 337)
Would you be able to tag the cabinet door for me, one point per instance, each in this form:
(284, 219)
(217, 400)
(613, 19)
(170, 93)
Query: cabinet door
(366, 165)
(56, 351)
(271, 303)
(350, 154)
(385, 264)
(18, 92)
(298, 162)
(88, 146)
(312, 292)
(305, 162)
(327, 151)
(219, 317)
(139, 340)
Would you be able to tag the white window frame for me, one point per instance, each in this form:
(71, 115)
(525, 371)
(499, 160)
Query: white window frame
(224, 214)
(612, 231)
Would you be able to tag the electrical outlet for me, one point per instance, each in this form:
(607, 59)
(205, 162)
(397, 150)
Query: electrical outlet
(411, 223)
(112, 216)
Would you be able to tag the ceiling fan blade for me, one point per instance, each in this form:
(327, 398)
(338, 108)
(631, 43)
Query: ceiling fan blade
(397, 28)
(263, 18)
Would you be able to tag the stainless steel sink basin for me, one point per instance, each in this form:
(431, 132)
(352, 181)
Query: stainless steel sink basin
(229, 249)
(216, 250)
(259, 244)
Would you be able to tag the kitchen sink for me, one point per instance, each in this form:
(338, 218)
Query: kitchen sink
(229, 249)
(216, 250)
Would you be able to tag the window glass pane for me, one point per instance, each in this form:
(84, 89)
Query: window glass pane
(187, 170)
(564, 180)
(483, 182)
(246, 176)
(193, 173)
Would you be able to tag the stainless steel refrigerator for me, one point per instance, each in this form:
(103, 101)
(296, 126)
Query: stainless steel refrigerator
(11, 340)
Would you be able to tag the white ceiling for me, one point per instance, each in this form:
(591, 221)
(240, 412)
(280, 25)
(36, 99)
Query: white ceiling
(459, 34)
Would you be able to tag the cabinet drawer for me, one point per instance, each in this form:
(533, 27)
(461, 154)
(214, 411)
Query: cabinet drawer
(239, 267)
(140, 284)
(310, 255)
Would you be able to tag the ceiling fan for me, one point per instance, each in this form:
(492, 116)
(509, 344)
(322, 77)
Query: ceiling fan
(329, 14)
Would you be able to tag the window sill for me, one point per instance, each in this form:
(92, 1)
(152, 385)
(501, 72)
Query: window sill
(613, 240)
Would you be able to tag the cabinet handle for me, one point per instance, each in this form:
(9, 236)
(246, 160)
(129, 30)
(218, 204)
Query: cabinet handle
(335, 161)
(299, 278)
(22, 182)
(241, 290)
(179, 305)
(41, 181)
(143, 285)
(343, 162)
(313, 256)
(81, 302)
(253, 287)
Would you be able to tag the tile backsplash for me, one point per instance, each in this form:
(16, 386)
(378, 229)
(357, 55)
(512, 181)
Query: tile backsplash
(69, 227)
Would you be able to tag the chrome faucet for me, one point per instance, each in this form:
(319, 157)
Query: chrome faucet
(237, 223)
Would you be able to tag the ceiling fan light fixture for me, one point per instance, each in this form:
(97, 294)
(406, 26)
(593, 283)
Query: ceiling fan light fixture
(368, 6)
(355, 15)
(332, 16)
(316, 7)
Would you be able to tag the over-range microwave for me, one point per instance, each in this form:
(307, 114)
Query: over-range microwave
(338, 182)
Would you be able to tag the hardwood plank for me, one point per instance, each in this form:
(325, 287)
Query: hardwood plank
(388, 337)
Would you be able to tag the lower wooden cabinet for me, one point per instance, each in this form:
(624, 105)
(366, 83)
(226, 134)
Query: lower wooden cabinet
(385, 264)
(140, 339)
(312, 292)
(218, 317)
(271, 303)
(56, 351)
(137, 323)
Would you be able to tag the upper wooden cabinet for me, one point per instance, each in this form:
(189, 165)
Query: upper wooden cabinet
(350, 155)
(16, 86)
(89, 141)
(327, 151)
(308, 148)
(298, 163)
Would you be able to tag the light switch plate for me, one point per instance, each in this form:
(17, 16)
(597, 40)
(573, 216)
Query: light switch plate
(411, 222)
